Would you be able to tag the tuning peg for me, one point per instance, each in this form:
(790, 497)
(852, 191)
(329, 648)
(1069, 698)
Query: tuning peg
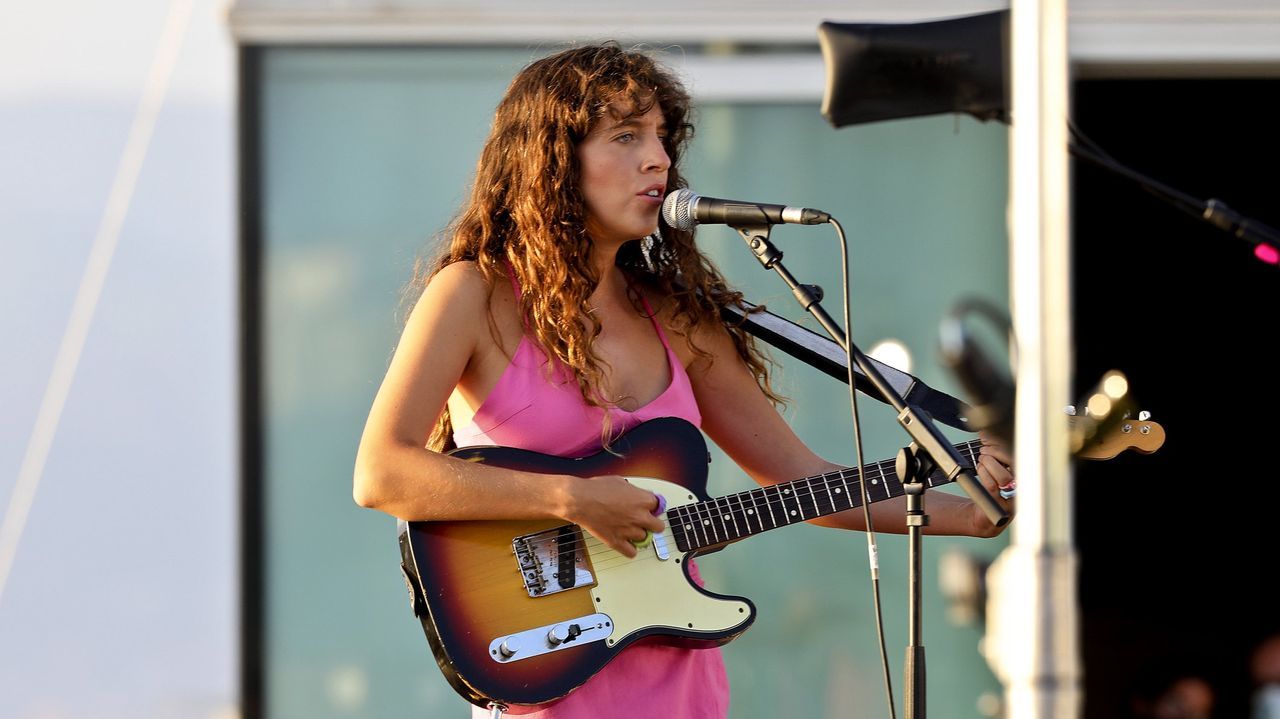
(1070, 410)
(1107, 404)
(1144, 415)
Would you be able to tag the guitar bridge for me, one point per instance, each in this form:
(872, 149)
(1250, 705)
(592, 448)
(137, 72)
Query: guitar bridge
(552, 561)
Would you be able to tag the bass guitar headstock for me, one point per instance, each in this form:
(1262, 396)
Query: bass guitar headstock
(1111, 438)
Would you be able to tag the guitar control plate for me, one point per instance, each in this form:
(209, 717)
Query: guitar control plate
(552, 561)
(551, 638)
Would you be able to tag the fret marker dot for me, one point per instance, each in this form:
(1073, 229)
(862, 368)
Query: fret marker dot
(786, 491)
(875, 481)
(751, 511)
(793, 512)
(688, 526)
(838, 490)
(706, 521)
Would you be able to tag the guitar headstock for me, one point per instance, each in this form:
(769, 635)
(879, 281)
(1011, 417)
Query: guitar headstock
(1108, 440)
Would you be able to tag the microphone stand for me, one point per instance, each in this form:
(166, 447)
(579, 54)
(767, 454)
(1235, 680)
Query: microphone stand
(928, 450)
(1265, 239)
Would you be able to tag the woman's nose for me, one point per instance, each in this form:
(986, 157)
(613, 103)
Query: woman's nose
(657, 158)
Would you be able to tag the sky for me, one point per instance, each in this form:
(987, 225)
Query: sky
(120, 600)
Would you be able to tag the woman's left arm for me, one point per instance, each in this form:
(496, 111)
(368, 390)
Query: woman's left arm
(743, 422)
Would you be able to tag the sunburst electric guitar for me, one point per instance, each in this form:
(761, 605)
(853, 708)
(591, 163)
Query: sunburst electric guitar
(523, 612)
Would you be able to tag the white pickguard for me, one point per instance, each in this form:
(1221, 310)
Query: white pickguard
(648, 592)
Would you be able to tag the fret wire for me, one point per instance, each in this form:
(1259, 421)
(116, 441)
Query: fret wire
(856, 491)
(769, 503)
(695, 526)
(831, 496)
(747, 510)
(726, 517)
(717, 520)
(687, 526)
(813, 495)
(844, 486)
(699, 526)
(798, 508)
(756, 506)
(782, 504)
(845, 482)
(741, 518)
(732, 513)
(876, 483)
(710, 522)
(733, 521)
(681, 516)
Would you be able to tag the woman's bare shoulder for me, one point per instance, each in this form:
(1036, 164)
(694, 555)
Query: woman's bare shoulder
(458, 281)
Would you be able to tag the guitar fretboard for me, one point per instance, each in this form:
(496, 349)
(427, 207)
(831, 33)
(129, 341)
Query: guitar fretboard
(732, 517)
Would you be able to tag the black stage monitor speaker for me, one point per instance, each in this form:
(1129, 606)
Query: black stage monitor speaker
(886, 71)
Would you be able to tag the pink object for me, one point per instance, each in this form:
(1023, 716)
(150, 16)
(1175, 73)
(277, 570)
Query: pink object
(649, 678)
(525, 410)
(1267, 254)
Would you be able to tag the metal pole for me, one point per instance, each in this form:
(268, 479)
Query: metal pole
(1033, 642)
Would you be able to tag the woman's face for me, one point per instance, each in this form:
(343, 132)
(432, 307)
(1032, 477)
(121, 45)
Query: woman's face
(624, 175)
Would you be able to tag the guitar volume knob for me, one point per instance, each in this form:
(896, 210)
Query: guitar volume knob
(558, 635)
(562, 633)
(508, 648)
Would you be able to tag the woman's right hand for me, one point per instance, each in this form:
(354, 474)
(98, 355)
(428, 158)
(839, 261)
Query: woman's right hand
(613, 510)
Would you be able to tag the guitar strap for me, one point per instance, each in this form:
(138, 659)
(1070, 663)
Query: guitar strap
(826, 355)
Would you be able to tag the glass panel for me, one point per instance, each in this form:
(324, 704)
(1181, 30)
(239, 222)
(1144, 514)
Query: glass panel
(367, 154)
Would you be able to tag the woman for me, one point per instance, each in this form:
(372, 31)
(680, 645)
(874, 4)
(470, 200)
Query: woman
(545, 326)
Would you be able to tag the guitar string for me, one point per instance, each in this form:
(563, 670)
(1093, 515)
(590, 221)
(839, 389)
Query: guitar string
(803, 489)
(607, 558)
(806, 489)
(848, 478)
(972, 448)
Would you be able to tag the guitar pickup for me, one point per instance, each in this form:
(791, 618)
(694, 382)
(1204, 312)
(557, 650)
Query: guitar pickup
(552, 561)
(660, 547)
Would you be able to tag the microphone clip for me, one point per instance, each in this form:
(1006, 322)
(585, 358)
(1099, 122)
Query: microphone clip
(757, 239)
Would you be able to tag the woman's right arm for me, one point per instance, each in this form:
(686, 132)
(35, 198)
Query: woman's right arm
(396, 474)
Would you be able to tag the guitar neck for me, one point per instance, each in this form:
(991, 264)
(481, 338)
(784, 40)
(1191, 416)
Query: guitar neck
(727, 519)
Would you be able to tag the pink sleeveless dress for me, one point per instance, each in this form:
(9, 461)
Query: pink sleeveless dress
(525, 410)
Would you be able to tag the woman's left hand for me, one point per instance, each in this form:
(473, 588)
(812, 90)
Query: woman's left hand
(995, 471)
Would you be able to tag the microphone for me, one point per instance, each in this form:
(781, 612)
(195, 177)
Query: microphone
(683, 209)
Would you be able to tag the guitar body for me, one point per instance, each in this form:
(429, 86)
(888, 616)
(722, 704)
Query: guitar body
(523, 612)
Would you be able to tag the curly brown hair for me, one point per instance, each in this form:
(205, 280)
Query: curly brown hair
(526, 213)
